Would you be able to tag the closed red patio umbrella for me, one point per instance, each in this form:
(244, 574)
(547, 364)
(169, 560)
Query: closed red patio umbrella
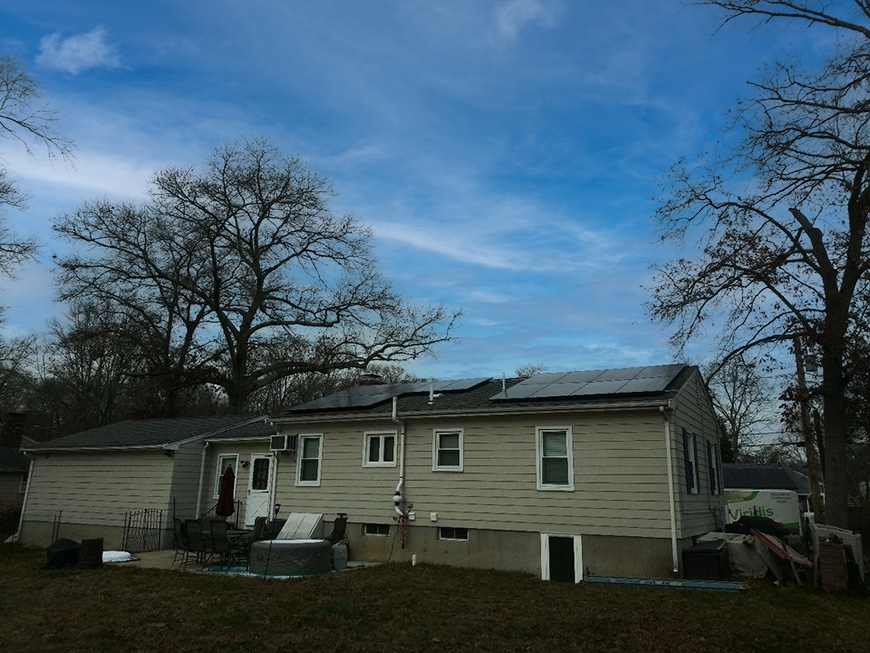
(226, 504)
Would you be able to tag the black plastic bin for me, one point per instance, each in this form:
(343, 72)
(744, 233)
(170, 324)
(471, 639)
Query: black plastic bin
(706, 561)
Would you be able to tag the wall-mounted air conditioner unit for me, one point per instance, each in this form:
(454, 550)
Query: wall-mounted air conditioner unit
(285, 443)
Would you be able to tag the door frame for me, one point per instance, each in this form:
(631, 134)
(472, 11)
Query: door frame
(578, 555)
(267, 492)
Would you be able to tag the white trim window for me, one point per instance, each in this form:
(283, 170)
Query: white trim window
(713, 463)
(224, 461)
(690, 459)
(380, 449)
(555, 458)
(309, 460)
(447, 449)
(376, 530)
(452, 533)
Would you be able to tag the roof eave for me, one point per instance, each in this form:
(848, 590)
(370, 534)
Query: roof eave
(137, 447)
(500, 411)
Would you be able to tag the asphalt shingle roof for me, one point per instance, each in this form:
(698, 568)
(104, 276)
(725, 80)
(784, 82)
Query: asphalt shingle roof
(143, 433)
(739, 476)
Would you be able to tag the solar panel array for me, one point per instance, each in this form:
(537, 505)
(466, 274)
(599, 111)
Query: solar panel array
(371, 395)
(627, 380)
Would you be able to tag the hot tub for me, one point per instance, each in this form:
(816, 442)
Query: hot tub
(290, 557)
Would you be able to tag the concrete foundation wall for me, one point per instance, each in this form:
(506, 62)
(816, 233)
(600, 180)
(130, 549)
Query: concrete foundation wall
(513, 551)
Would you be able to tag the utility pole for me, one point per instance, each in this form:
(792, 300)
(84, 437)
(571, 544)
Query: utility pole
(813, 467)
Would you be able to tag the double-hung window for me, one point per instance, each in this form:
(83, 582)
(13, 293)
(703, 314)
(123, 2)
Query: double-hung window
(713, 463)
(690, 458)
(225, 462)
(447, 451)
(555, 458)
(380, 450)
(309, 460)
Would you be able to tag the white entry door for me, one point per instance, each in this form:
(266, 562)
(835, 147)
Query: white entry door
(259, 488)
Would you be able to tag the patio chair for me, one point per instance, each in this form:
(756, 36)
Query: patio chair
(339, 528)
(222, 546)
(196, 543)
(180, 538)
(272, 528)
(259, 531)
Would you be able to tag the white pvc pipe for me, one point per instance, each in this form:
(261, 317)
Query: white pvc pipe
(17, 535)
(671, 500)
(201, 480)
(398, 493)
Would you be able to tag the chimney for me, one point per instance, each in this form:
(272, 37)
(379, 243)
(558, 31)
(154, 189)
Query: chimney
(13, 429)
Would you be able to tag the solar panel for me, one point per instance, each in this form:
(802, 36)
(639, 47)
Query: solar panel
(627, 380)
(457, 385)
(370, 395)
(621, 374)
(599, 388)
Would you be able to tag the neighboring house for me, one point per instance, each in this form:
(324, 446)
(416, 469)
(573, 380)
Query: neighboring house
(750, 476)
(769, 477)
(13, 478)
(608, 472)
(85, 485)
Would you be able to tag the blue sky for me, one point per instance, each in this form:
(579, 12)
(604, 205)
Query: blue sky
(505, 152)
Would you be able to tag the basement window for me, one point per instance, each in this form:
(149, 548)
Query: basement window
(454, 534)
(376, 530)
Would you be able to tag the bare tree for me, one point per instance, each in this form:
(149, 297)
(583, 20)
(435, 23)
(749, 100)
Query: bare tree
(530, 369)
(849, 16)
(781, 218)
(25, 119)
(247, 255)
(307, 386)
(89, 365)
(742, 398)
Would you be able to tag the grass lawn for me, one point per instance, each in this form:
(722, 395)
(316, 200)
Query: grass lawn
(398, 607)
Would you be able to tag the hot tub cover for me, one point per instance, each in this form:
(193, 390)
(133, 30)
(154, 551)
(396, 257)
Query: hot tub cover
(290, 557)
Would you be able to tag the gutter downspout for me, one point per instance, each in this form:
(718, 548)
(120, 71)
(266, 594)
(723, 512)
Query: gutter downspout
(398, 497)
(671, 500)
(273, 491)
(201, 480)
(17, 534)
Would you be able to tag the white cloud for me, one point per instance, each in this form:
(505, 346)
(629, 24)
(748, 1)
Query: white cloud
(513, 17)
(95, 173)
(77, 53)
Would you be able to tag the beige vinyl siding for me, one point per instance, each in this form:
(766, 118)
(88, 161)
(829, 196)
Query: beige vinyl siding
(95, 489)
(702, 512)
(620, 476)
(365, 493)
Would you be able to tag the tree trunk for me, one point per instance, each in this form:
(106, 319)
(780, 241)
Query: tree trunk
(836, 478)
